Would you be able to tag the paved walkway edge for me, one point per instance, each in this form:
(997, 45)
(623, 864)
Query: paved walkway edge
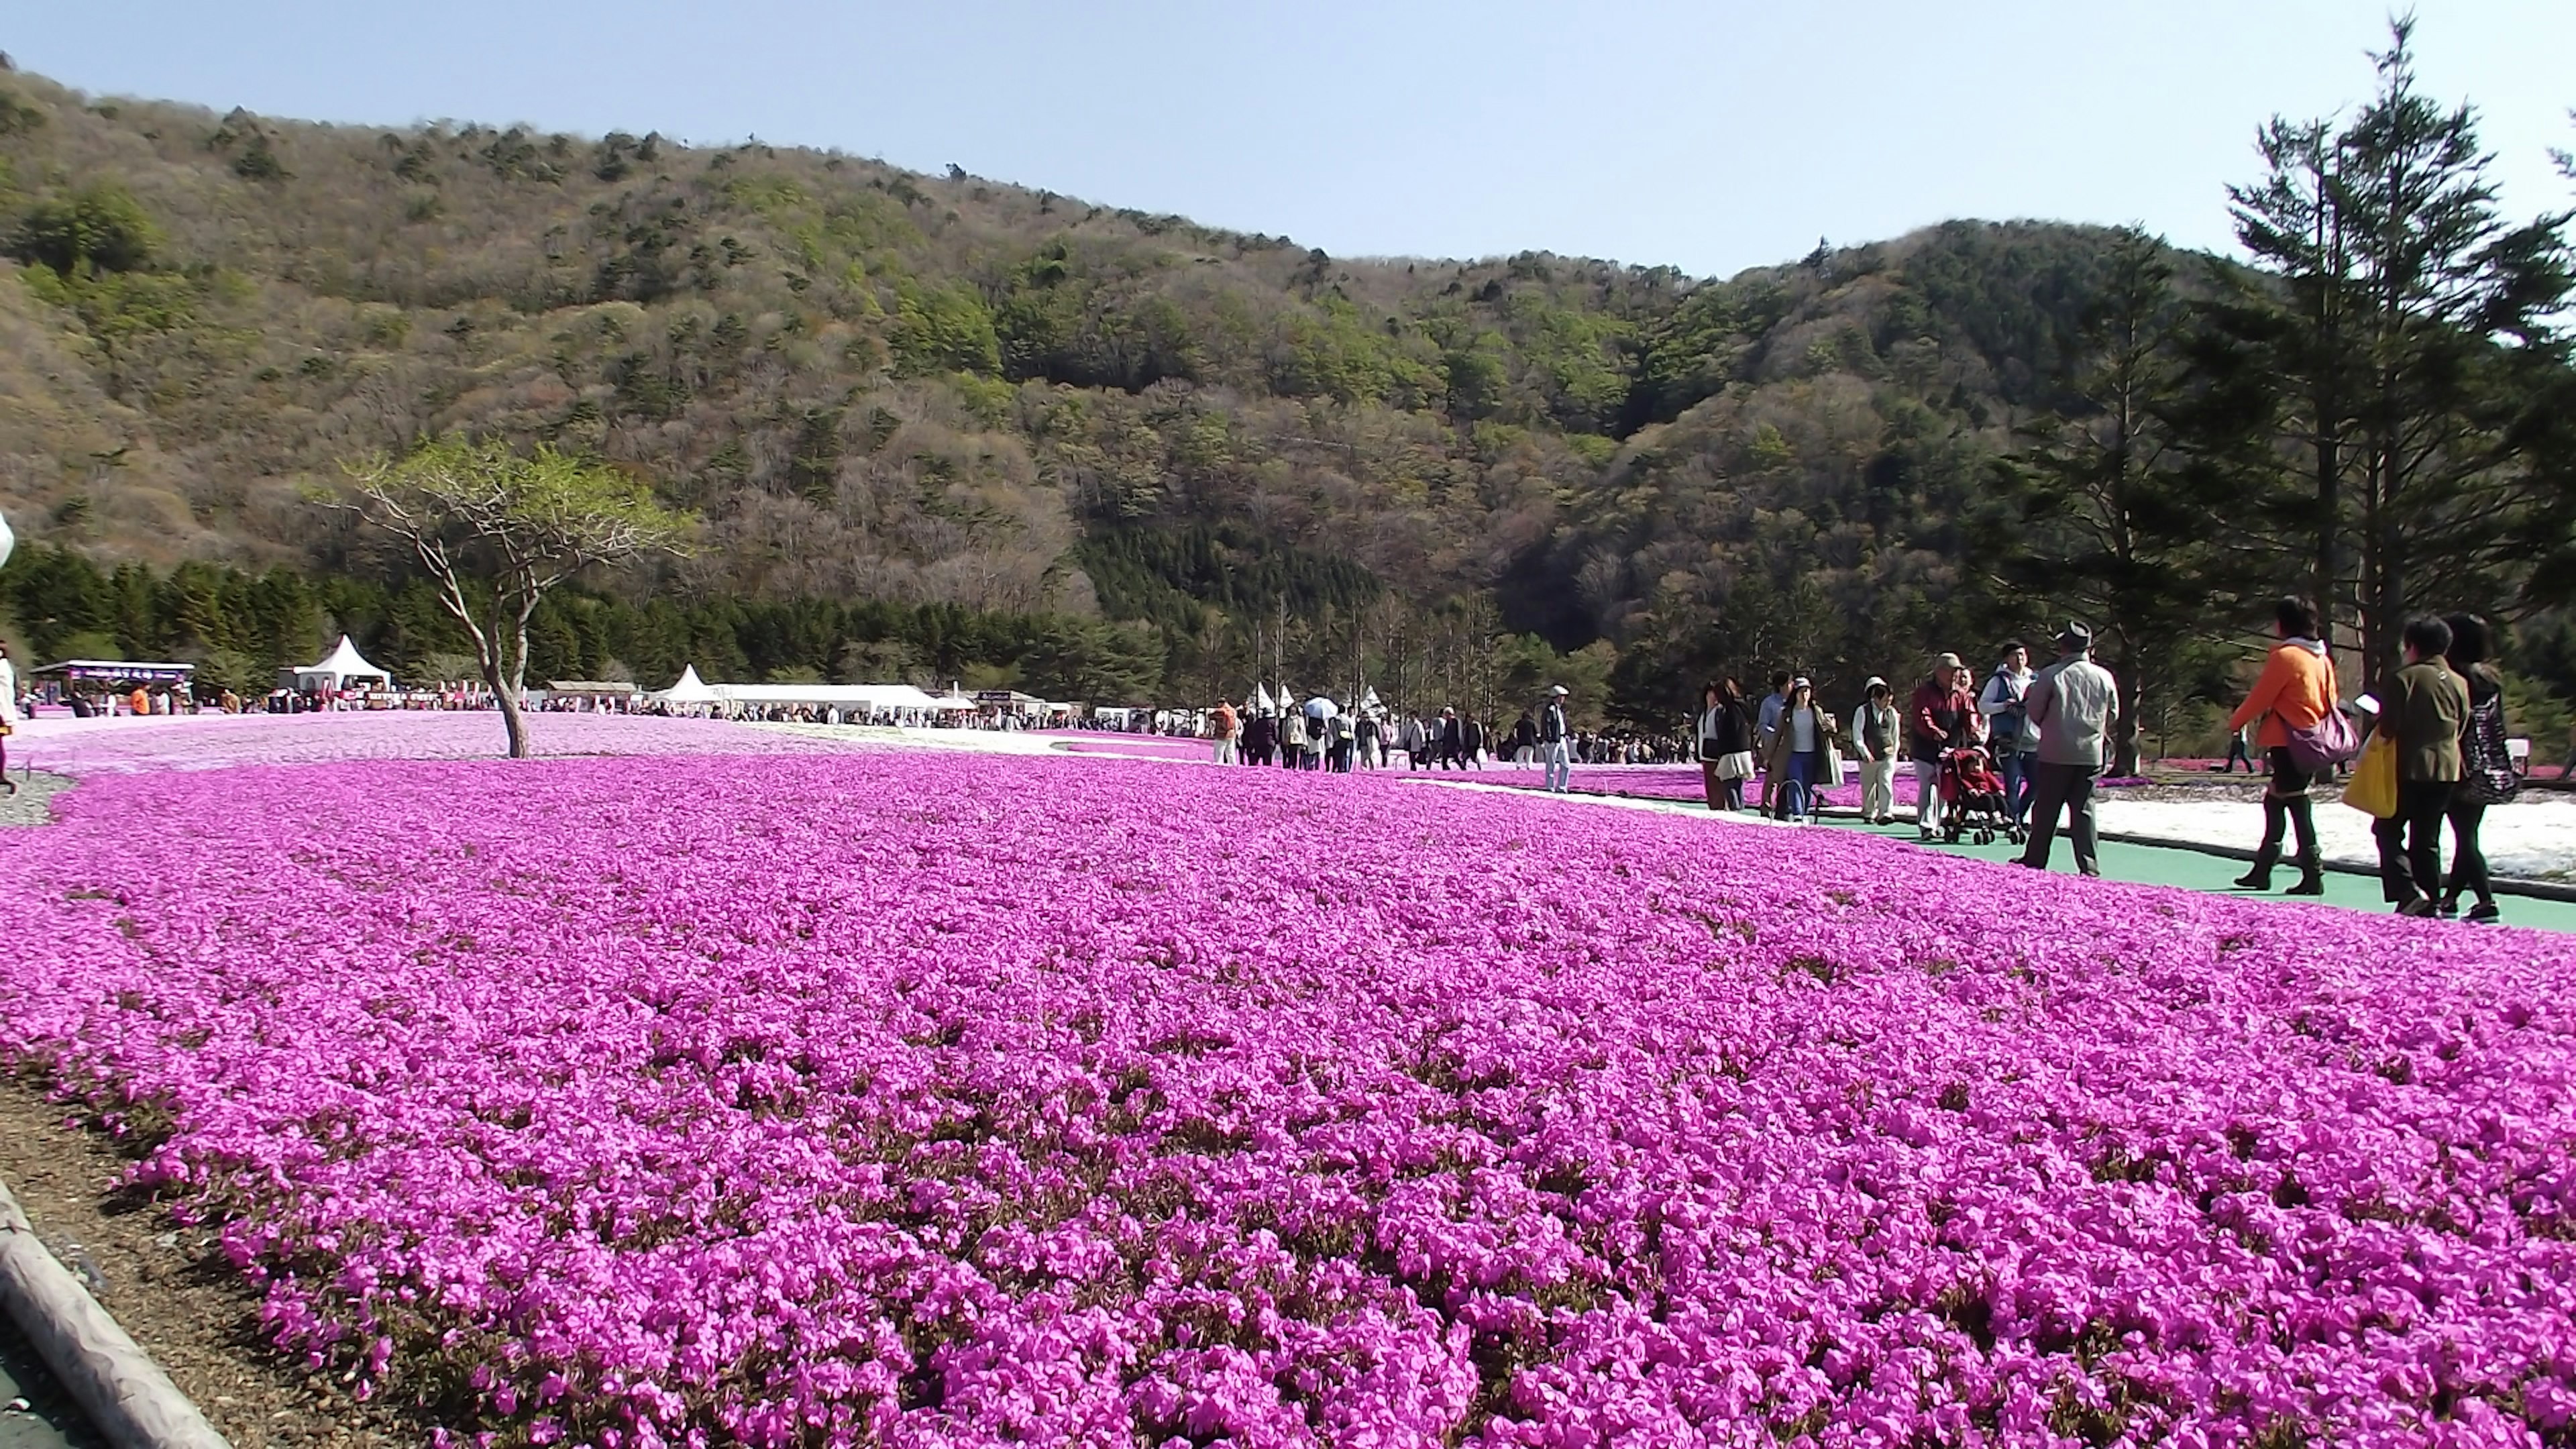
(129, 1400)
(2544, 890)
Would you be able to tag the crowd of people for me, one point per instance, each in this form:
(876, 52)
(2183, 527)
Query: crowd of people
(2040, 735)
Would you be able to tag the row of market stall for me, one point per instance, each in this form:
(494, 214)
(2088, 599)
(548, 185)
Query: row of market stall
(877, 704)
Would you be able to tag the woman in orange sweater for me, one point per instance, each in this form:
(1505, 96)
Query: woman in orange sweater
(2294, 692)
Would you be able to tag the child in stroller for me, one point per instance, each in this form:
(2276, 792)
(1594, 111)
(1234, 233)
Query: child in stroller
(1972, 799)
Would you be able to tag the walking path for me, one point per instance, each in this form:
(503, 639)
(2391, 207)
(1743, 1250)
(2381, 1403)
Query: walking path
(2168, 865)
(35, 1413)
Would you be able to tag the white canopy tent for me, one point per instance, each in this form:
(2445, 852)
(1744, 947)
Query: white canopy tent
(687, 689)
(337, 668)
(869, 699)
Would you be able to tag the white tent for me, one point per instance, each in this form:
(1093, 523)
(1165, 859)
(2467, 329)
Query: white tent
(335, 671)
(688, 689)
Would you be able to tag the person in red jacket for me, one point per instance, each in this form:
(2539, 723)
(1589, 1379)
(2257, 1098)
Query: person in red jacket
(1941, 716)
(2294, 692)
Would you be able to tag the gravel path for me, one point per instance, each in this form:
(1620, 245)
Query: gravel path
(33, 804)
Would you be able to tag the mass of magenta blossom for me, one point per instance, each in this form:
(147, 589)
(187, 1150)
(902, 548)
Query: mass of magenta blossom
(937, 1100)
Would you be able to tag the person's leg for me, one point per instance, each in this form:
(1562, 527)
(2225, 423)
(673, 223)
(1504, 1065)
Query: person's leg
(2303, 830)
(2396, 884)
(2276, 824)
(2424, 835)
(2469, 859)
(2043, 815)
(2014, 767)
(1715, 787)
(1793, 793)
(1927, 795)
(2080, 827)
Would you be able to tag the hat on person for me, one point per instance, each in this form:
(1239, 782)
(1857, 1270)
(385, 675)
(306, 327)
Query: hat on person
(2074, 638)
(1802, 682)
(1556, 689)
(1874, 683)
(1948, 661)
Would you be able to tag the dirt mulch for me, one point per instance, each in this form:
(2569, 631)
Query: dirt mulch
(171, 1288)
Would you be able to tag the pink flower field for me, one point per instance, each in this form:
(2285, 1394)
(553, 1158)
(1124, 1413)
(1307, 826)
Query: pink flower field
(924, 1099)
(217, 741)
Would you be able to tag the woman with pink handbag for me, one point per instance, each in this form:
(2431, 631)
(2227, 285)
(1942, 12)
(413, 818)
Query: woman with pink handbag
(2303, 735)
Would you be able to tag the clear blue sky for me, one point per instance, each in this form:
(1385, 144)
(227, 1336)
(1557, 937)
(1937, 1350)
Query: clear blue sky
(1711, 136)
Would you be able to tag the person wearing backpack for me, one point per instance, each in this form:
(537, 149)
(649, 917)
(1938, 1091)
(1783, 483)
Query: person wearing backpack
(2294, 698)
(2486, 768)
(2004, 703)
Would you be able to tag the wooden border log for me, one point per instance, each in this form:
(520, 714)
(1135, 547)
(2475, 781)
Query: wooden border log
(127, 1397)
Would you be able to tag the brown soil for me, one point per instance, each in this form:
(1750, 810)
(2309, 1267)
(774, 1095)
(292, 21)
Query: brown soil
(171, 1288)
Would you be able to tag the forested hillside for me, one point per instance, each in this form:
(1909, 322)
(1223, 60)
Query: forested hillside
(887, 389)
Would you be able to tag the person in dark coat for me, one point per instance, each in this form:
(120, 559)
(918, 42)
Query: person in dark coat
(2426, 707)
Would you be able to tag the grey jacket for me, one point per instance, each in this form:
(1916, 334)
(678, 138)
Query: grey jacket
(2072, 704)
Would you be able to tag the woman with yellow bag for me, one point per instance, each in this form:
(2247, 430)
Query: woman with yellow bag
(2416, 739)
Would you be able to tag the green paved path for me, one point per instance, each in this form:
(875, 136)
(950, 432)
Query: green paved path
(50, 1420)
(2193, 870)
(2144, 864)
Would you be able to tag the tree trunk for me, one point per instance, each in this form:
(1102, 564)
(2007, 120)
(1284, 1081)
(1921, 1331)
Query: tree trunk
(514, 722)
(513, 687)
(2124, 734)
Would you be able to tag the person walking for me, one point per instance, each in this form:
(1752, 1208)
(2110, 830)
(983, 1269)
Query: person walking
(1725, 744)
(1260, 739)
(1556, 742)
(1766, 732)
(2426, 709)
(1225, 726)
(1937, 720)
(2486, 768)
(2003, 707)
(1410, 737)
(8, 716)
(2240, 749)
(1875, 735)
(1799, 752)
(1524, 740)
(1452, 747)
(2069, 709)
(2295, 691)
(1471, 740)
(1372, 742)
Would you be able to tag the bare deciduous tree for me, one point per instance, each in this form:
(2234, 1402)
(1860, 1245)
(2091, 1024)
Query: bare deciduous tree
(496, 531)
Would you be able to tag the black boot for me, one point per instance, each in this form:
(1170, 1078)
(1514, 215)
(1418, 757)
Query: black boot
(2312, 876)
(2260, 877)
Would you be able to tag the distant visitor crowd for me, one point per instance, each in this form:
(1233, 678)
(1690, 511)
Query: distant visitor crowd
(2018, 755)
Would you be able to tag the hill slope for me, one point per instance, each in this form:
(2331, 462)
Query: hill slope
(878, 384)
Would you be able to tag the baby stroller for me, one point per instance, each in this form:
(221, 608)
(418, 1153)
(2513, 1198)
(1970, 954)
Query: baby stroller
(1972, 799)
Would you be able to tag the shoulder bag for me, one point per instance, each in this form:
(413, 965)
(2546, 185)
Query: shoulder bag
(2330, 741)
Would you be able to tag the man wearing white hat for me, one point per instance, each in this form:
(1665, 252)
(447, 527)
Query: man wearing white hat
(1556, 742)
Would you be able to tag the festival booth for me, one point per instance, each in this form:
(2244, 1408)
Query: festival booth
(887, 704)
(342, 674)
(687, 695)
(97, 686)
(590, 696)
(1009, 709)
